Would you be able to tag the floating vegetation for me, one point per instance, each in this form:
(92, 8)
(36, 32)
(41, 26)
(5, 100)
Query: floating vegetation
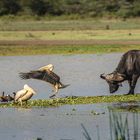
(95, 113)
(75, 100)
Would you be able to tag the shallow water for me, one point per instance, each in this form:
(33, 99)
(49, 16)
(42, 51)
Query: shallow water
(65, 123)
(48, 124)
(83, 73)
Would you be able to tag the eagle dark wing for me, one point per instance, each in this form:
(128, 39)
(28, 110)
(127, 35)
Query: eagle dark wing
(50, 76)
(31, 74)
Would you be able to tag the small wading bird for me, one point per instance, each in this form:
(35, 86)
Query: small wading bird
(6, 98)
(46, 74)
(24, 95)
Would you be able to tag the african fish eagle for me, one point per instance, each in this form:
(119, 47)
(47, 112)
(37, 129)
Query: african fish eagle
(46, 74)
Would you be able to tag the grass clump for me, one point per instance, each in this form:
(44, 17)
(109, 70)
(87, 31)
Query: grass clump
(64, 49)
(75, 100)
(45, 24)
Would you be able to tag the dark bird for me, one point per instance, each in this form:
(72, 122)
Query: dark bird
(11, 98)
(3, 98)
(6, 98)
(46, 74)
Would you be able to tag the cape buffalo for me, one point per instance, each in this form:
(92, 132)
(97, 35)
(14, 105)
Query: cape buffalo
(127, 69)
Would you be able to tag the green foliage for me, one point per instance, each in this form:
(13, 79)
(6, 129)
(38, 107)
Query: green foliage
(38, 7)
(90, 8)
(136, 8)
(9, 7)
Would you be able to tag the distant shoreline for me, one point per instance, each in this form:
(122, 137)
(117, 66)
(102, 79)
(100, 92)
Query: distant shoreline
(87, 36)
(19, 50)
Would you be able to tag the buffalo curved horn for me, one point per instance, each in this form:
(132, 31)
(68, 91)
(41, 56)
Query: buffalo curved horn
(103, 76)
(119, 77)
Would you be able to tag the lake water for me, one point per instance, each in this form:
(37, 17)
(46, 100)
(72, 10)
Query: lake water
(82, 72)
(65, 123)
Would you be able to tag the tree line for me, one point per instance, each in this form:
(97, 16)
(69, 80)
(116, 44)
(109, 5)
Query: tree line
(91, 8)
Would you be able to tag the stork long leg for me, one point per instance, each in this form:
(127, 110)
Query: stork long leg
(20, 102)
(56, 87)
(26, 102)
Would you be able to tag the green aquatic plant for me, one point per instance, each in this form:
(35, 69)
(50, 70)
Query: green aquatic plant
(75, 100)
(85, 133)
(121, 126)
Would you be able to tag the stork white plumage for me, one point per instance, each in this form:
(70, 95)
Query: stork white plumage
(24, 95)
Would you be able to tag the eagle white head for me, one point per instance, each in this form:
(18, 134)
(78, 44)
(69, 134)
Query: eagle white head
(49, 67)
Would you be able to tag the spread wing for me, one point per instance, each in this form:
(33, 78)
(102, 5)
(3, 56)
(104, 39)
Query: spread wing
(32, 74)
(47, 76)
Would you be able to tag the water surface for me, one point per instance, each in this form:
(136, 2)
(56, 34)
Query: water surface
(59, 123)
(82, 72)
(65, 123)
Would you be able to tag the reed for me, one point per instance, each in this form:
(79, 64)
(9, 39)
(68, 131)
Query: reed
(121, 128)
(85, 133)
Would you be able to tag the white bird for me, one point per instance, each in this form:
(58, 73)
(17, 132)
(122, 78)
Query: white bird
(24, 95)
(49, 67)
